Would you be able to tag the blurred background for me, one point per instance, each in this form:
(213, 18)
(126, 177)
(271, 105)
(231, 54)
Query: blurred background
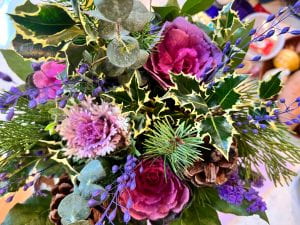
(277, 53)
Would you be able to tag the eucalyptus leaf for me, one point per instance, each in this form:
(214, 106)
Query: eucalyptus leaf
(23, 68)
(29, 50)
(86, 189)
(34, 211)
(141, 60)
(271, 87)
(220, 132)
(114, 10)
(123, 53)
(50, 19)
(111, 70)
(92, 172)
(192, 7)
(81, 222)
(138, 17)
(108, 30)
(73, 208)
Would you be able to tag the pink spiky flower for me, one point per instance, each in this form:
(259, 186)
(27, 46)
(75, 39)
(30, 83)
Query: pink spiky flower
(93, 130)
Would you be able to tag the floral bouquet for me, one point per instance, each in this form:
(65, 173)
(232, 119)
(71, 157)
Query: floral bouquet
(131, 116)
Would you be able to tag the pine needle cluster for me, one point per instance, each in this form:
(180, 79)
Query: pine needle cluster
(179, 146)
(272, 148)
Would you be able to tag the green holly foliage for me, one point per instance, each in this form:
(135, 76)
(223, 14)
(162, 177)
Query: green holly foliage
(224, 93)
(228, 27)
(271, 87)
(49, 20)
(34, 211)
(220, 131)
(28, 50)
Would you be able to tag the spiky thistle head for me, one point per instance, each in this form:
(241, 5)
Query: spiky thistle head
(180, 146)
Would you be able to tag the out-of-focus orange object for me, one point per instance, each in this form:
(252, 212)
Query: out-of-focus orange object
(20, 197)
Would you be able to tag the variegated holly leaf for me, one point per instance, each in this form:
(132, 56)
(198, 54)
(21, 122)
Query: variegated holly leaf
(130, 96)
(140, 123)
(220, 131)
(28, 50)
(271, 87)
(49, 20)
(185, 84)
(228, 27)
(74, 54)
(224, 92)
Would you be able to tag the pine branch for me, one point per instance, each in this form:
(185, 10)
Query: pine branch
(272, 148)
(180, 146)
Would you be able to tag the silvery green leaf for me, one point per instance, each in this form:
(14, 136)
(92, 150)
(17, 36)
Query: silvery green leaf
(123, 53)
(141, 60)
(81, 222)
(92, 172)
(73, 208)
(138, 17)
(114, 10)
(96, 14)
(86, 189)
(108, 30)
(111, 70)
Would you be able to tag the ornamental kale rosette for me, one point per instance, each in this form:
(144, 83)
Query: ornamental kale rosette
(138, 116)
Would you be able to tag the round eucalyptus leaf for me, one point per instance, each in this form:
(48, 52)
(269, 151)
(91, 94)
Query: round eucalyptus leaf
(114, 10)
(138, 17)
(81, 222)
(123, 53)
(108, 30)
(73, 208)
(141, 60)
(92, 172)
(111, 70)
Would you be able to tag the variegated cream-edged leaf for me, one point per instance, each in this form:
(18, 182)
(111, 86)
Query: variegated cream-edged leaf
(29, 50)
(224, 93)
(49, 20)
(74, 55)
(130, 96)
(220, 131)
(50, 40)
(185, 84)
(271, 87)
(140, 123)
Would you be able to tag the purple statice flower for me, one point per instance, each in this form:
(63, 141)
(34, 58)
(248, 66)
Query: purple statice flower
(93, 130)
(258, 182)
(112, 192)
(36, 66)
(233, 190)
(258, 205)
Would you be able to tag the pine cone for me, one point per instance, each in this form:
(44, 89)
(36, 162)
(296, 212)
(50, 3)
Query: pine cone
(214, 169)
(95, 215)
(63, 188)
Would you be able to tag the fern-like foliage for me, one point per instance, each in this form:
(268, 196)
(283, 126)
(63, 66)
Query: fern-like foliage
(272, 148)
(180, 146)
(18, 140)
